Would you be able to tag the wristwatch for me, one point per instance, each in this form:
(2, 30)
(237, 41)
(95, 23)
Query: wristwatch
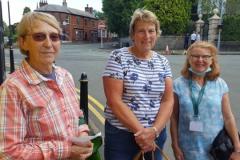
(156, 132)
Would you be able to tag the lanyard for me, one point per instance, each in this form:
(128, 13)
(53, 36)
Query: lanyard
(197, 101)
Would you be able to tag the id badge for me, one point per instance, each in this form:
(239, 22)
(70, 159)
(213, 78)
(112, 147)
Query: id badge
(196, 125)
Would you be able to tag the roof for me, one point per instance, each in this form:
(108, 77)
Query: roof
(63, 9)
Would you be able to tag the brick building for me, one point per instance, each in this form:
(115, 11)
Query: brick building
(76, 25)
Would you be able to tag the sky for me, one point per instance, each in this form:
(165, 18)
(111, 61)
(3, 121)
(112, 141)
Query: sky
(17, 6)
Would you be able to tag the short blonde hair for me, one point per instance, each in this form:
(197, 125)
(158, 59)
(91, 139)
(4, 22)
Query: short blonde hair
(29, 19)
(146, 16)
(215, 72)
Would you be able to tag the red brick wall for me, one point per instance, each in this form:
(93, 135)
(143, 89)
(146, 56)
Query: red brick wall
(87, 25)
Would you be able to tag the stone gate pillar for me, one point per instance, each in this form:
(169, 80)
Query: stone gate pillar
(199, 26)
(213, 26)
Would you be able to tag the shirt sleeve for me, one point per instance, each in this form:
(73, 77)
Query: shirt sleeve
(114, 67)
(14, 141)
(223, 86)
(167, 67)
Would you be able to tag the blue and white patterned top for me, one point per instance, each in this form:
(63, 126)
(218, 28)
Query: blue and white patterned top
(144, 84)
(196, 145)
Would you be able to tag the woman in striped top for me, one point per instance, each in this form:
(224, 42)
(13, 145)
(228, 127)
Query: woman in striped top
(138, 87)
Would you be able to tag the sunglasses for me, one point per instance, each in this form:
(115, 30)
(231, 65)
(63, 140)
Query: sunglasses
(39, 37)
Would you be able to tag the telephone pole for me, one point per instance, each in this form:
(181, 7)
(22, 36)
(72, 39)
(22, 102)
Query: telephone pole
(2, 55)
(12, 68)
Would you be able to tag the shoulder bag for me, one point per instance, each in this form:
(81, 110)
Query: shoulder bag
(222, 146)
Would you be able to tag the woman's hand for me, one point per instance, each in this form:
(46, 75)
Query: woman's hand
(81, 151)
(178, 153)
(235, 156)
(145, 139)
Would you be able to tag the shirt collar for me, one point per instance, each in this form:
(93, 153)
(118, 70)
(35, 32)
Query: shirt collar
(34, 77)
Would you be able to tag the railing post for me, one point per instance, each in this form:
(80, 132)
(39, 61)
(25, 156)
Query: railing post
(84, 96)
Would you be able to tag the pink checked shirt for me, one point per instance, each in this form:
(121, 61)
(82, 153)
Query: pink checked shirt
(37, 115)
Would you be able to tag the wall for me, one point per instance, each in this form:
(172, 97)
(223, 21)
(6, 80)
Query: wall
(173, 42)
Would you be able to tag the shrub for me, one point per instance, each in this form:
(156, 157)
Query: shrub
(231, 31)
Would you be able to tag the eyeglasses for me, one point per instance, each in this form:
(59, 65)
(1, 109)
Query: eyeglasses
(39, 37)
(204, 57)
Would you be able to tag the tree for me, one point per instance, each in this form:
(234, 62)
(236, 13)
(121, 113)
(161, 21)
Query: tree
(26, 10)
(98, 15)
(5, 29)
(118, 14)
(231, 30)
(207, 7)
(173, 15)
(232, 7)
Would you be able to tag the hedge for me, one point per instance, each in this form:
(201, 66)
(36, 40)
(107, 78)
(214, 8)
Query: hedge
(231, 31)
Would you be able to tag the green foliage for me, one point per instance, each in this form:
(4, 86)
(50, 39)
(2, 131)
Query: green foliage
(26, 10)
(232, 7)
(231, 30)
(98, 15)
(208, 7)
(173, 14)
(118, 14)
(194, 7)
(5, 29)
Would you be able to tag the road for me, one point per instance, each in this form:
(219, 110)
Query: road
(89, 58)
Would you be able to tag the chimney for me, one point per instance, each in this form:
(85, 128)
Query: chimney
(64, 3)
(43, 3)
(89, 9)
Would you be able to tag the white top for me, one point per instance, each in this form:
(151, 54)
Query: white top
(144, 84)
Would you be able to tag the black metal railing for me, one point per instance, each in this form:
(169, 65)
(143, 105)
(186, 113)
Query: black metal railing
(84, 96)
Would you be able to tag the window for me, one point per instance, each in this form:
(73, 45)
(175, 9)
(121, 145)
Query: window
(78, 20)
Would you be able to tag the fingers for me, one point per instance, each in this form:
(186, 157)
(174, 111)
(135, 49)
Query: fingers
(138, 133)
(144, 140)
(145, 133)
(81, 152)
(83, 156)
(179, 156)
(147, 147)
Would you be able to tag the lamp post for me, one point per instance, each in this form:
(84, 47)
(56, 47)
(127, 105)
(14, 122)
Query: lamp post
(220, 25)
(64, 23)
(101, 38)
(2, 55)
(101, 27)
(12, 67)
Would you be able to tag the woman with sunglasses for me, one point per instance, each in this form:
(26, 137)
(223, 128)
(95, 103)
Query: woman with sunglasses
(201, 106)
(39, 105)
